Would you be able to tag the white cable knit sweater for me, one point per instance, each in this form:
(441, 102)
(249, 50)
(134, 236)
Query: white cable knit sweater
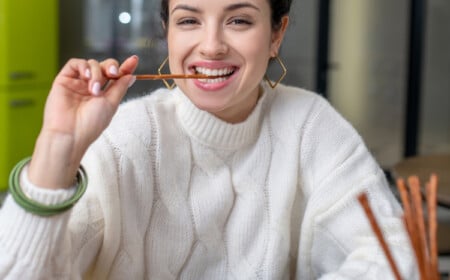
(175, 193)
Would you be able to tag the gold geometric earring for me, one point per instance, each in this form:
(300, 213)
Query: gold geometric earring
(283, 74)
(169, 86)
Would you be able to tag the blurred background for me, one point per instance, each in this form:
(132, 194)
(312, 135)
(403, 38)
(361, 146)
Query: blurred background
(383, 64)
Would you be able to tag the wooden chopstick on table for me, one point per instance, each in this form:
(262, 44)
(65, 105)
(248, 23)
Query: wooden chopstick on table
(431, 196)
(423, 241)
(377, 230)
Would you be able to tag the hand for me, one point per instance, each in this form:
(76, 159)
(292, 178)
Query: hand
(76, 113)
(77, 106)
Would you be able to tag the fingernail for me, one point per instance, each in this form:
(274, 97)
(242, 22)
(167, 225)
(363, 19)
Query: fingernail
(96, 88)
(87, 73)
(113, 70)
(131, 82)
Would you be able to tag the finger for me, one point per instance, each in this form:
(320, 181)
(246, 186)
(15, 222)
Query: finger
(117, 90)
(76, 68)
(129, 65)
(110, 68)
(74, 75)
(78, 86)
(97, 78)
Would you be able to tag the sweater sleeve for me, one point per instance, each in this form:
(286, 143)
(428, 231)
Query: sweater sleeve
(339, 242)
(56, 247)
(27, 241)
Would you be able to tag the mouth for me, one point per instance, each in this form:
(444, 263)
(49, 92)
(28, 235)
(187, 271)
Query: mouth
(215, 75)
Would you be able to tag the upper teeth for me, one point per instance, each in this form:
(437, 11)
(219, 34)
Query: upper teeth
(214, 72)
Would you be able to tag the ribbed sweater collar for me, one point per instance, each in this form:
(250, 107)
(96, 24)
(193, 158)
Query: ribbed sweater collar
(212, 131)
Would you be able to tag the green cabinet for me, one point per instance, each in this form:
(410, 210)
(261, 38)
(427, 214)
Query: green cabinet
(28, 65)
(20, 122)
(28, 41)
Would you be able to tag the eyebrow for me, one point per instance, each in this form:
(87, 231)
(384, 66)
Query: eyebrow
(231, 7)
(237, 6)
(185, 7)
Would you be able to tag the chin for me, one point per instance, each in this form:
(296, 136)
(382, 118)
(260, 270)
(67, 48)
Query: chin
(209, 104)
(210, 108)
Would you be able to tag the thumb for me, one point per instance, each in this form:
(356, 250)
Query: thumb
(118, 89)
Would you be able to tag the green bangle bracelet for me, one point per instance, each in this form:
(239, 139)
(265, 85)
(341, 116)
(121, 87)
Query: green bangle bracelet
(38, 208)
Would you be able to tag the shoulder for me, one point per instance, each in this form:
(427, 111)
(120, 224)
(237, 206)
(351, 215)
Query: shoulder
(311, 112)
(310, 117)
(295, 105)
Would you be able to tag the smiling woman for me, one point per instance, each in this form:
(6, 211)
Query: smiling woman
(220, 37)
(220, 177)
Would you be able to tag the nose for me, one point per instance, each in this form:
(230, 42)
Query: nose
(213, 44)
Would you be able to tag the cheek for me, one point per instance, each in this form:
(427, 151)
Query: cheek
(172, 42)
(258, 53)
(175, 50)
(179, 45)
(256, 43)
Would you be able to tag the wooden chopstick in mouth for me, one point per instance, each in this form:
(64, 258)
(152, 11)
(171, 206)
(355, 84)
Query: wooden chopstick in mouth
(173, 76)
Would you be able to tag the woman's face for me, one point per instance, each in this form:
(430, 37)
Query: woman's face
(233, 38)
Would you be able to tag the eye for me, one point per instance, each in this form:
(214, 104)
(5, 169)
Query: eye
(187, 21)
(239, 21)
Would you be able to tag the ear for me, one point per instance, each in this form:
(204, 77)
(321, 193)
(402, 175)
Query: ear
(163, 24)
(278, 35)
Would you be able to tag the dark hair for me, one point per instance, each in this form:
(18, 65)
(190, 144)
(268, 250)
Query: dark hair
(279, 9)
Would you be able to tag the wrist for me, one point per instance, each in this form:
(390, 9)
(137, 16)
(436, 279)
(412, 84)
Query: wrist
(49, 207)
(55, 161)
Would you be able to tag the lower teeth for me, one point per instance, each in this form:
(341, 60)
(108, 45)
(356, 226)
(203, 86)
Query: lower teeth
(212, 81)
